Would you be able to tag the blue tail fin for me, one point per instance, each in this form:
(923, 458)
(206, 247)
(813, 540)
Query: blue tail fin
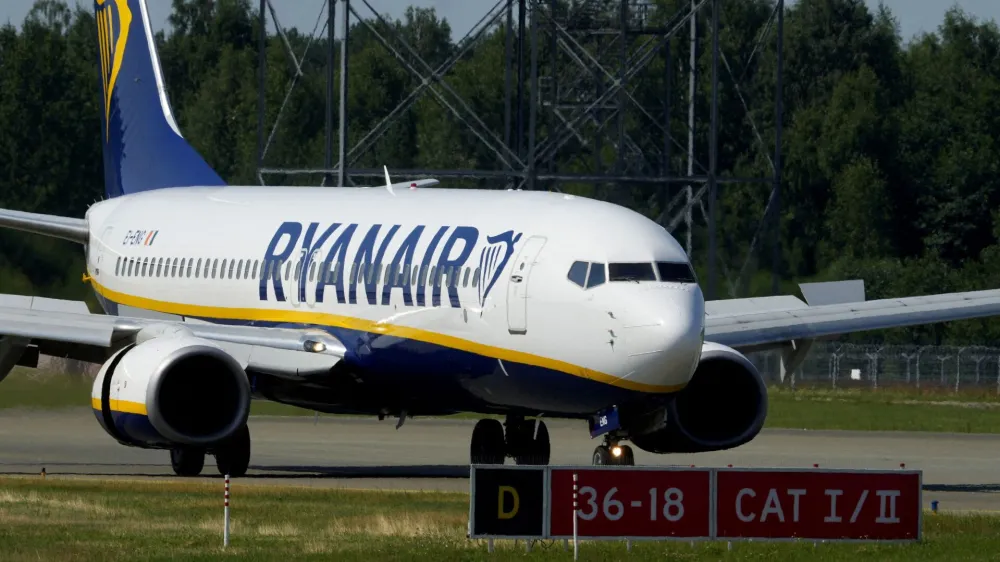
(143, 148)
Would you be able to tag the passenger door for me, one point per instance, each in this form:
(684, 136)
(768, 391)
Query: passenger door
(517, 288)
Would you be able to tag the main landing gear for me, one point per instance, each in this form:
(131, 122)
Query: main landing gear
(231, 457)
(526, 441)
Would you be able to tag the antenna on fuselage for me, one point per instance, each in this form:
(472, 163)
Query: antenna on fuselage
(388, 182)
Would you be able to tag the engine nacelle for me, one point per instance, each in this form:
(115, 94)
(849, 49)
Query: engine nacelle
(724, 406)
(169, 391)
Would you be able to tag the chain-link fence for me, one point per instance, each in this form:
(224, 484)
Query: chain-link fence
(852, 366)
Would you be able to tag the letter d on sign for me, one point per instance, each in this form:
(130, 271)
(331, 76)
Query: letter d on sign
(501, 512)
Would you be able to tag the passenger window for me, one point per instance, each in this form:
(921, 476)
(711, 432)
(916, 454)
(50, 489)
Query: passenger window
(414, 275)
(254, 269)
(145, 266)
(631, 272)
(197, 269)
(130, 267)
(118, 265)
(475, 278)
(578, 273)
(596, 276)
(336, 271)
(312, 271)
(222, 272)
(465, 280)
(288, 269)
(159, 267)
(239, 269)
(173, 268)
(189, 264)
(455, 274)
(208, 267)
(671, 272)
(181, 267)
(232, 265)
(215, 267)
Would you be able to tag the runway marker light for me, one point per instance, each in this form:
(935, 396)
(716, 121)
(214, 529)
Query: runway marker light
(902, 465)
(815, 465)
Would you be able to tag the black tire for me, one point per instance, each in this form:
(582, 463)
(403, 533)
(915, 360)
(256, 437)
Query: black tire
(187, 462)
(602, 456)
(539, 448)
(487, 446)
(233, 458)
(628, 457)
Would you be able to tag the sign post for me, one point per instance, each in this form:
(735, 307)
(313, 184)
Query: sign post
(225, 529)
(576, 512)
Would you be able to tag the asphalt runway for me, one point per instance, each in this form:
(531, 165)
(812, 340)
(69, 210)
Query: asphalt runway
(961, 471)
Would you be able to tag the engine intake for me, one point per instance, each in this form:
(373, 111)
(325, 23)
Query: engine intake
(724, 406)
(171, 391)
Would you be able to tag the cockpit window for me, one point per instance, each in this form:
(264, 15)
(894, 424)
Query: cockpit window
(671, 272)
(596, 276)
(631, 272)
(578, 273)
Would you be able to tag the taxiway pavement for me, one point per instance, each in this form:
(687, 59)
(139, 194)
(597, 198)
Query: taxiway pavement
(962, 471)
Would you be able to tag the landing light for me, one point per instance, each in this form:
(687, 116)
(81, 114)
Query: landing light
(616, 451)
(315, 346)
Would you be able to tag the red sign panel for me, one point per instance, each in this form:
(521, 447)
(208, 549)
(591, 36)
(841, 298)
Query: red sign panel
(818, 504)
(627, 502)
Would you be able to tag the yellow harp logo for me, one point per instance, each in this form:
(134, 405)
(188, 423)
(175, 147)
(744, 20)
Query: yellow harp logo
(112, 36)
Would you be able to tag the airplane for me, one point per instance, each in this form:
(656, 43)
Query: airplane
(398, 301)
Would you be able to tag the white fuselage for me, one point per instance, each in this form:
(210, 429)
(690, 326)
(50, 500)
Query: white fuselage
(466, 290)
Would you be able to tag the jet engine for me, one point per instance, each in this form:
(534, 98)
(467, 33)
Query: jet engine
(169, 391)
(724, 406)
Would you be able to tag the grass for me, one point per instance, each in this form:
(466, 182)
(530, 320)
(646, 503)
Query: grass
(55, 519)
(887, 408)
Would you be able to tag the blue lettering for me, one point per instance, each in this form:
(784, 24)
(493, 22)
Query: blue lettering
(293, 230)
(310, 249)
(453, 267)
(404, 256)
(425, 263)
(364, 259)
(337, 255)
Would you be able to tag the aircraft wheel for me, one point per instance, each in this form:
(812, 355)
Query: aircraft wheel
(487, 445)
(539, 448)
(628, 457)
(602, 455)
(233, 458)
(187, 462)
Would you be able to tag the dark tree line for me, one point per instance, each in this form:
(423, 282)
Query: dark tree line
(891, 152)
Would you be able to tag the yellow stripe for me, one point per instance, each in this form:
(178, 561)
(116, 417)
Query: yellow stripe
(323, 319)
(122, 406)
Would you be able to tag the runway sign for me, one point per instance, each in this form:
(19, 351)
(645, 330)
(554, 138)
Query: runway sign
(834, 505)
(632, 502)
(508, 502)
(667, 503)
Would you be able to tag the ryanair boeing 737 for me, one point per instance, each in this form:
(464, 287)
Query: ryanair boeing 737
(397, 300)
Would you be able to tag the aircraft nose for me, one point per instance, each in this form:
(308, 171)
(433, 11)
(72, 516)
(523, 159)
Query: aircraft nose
(665, 339)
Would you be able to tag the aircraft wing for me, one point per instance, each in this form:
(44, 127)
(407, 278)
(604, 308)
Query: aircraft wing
(63, 328)
(760, 323)
(74, 230)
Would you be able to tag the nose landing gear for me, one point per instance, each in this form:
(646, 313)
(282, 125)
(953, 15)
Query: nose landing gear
(612, 453)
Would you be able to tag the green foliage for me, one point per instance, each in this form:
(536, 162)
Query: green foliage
(891, 150)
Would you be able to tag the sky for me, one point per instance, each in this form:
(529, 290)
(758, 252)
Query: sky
(914, 16)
